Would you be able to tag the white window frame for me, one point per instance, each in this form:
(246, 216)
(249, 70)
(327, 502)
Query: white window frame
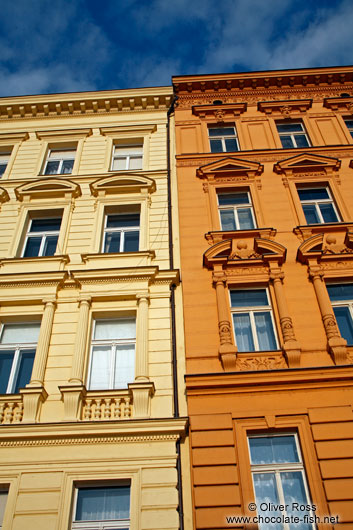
(98, 525)
(52, 158)
(349, 127)
(122, 230)
(251, 310)
(18, 348)
(43, 235)
(317, 202)
(113, 343)
(292, 134)
(342, 303)
(127, 156)
(4, 158)
(224, 137)
(276, 468)
(234, 208)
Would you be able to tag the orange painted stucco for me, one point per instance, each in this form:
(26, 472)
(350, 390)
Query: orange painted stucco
(305, 385)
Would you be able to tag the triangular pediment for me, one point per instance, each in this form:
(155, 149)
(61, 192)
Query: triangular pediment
(51, 187)
(118, 183)
(307, 162)
(230, 165)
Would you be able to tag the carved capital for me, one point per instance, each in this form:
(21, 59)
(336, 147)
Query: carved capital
(287, 328)
(330, 326)
(219, 278)
(277, 276)
(33, 398)
(72, 396)
(316, 273)
(142, 394)
(84, 300)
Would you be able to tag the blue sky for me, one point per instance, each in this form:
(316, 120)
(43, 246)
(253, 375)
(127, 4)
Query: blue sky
(49, 46)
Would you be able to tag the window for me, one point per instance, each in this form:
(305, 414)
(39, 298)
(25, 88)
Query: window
(4, 160)
(60, 162)
(102, 508)
(341, 297)
(17, 350)
(235, 210)
(349, 123)
(127, 157)
(318, 205)
(252, 320)
(42, 237)
(113, 354)
(279, 478)
(223, 139)
(121, 232)
(3, 500)
(292, 134)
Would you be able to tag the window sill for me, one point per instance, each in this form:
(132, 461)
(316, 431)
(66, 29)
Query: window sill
(260, 360)
(119, 259)
(107, 405)
(221, 235)
(33, 264)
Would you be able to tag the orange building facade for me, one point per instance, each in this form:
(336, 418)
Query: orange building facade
(265, 192)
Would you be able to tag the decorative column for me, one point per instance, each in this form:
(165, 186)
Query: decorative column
(34, 394)
(227, 349)
(337, 345)
(142, 389)
(291, 347)
(74, 392)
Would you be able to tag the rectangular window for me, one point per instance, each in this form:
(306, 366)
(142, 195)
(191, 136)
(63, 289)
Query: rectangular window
(42, 237)
(292, 134)
(235, 210)
(60, 162)
(318, 205)
(102, 508)
(279, 478)
(341, 297)
(113, 354)
(3, 500)
(253, 320)
(17, 350)
(349, 123)
(121, 232)
(127, 157)
(223, 139)
(4, 160)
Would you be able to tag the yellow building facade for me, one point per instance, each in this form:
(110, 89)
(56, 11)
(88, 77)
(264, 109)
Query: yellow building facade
(91, 423)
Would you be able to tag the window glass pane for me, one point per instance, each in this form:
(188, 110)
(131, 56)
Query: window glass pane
(3, 499)
(26, 333)
(216, 146)
(119, 164)
(233, 198)
(6, 358)
(328, 213)
(243, 334)
(62, 154)
(221, 131)
(123, 220)
(100, 368)
(227, 220)
(301, 140)
(124, 328)
(124, 366)
(245, 219)
(289, 127)
(344, 321)
(45, 225)
(99, 504)
(3, 168)
(264, 330)
(231, 144)
(250, 298)
(340, 292)
(50, 245)
(294, 491)
(273, 450)
(131, 243)
(310, 213)
(349, 123)
(128, 149)
(67, 166)
(287, 142)
(25, 370)
(112, 242)
(313, 194)
(52, 168)
(32, 247)
(266, 493)
(135, 162)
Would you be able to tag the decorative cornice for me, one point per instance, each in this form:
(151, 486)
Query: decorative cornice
(307, 162)
(48, 188)
(122, 183)
(341, 103)
(284, 107)
(219, 113)
(230, 166)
